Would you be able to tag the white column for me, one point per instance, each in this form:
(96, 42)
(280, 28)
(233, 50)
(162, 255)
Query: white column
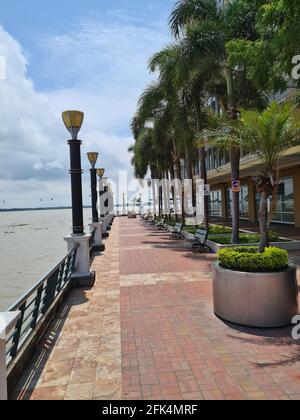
(98, 235)
(8, 321)
(82, 275)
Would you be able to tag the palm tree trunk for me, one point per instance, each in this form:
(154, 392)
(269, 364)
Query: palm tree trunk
(230, 91)
(203, 174)
(178, 177)
(154, 195)
(172, 176)
(167, 195)
(189, 167)
(203, 168)
(263, 222)
(235, 154)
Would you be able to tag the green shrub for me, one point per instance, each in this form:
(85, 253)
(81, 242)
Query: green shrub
(217, 229)
(222, 240)
(190, 229)
(245, 238)
(171, 222)
(248, 259)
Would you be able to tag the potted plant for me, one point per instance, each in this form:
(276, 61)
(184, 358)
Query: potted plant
(255, 289)
(256, 286)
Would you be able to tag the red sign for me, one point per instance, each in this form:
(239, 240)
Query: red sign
(236, 186)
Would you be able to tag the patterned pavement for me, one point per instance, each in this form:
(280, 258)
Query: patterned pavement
(147, 330)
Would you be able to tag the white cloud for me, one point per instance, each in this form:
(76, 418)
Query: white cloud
(98, 67)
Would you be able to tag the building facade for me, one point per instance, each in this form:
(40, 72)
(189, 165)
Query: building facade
(219, 174)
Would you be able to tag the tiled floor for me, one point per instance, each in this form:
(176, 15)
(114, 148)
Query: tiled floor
(147, 331)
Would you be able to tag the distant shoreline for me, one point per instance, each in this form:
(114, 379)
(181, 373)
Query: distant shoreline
(39, 209)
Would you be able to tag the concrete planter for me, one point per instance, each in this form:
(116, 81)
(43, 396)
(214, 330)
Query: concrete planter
(261, 300)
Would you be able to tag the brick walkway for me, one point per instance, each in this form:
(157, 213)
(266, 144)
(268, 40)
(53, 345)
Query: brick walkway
(147, 331)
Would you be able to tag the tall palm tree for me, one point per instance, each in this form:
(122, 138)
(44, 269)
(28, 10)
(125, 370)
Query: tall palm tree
(203, 28)
(162, 110)
(189, 84)
(268, 134)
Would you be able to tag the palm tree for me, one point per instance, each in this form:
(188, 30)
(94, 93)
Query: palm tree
(204, 28)
(268, 134)
(166, 109)
(189, 87)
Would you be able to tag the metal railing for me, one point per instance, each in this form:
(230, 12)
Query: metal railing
(91, 243)
(35, 304)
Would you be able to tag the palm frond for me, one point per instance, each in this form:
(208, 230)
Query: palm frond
(187, 12)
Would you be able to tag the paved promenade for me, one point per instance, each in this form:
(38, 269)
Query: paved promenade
(147, 330)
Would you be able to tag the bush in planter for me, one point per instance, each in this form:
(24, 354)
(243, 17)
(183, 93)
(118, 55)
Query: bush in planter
(217, 229)
(248, 259)
(244, 238)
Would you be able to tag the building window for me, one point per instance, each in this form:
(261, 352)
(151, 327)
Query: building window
(285, 211)
(244, 202)
(215, 203)
(215, 158)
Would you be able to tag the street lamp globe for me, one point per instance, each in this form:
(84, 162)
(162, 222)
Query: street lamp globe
(93, 157)
(101, 172)
(73, 121)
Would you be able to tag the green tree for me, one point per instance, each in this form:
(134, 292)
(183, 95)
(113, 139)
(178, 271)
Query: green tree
(204, 29)
(268, 59)
(190, 85)
(268, 134)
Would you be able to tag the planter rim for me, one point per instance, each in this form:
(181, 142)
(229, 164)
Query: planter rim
(289, 267)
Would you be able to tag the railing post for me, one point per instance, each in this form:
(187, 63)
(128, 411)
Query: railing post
(82, 277)
(50, 292)
(98, 243)
(17, 336)
(37, 304)
(8, 321)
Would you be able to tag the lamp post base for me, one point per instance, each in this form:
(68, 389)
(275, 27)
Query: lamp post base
(105, 229)
(80, 281)
(82, 275)
(98, 246)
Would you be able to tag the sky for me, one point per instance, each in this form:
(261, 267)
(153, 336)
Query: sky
(89, 55)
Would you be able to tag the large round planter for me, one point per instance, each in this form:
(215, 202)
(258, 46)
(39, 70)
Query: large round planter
(262, 300)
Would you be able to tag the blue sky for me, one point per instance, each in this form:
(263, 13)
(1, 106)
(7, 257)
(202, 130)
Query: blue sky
(90, 55)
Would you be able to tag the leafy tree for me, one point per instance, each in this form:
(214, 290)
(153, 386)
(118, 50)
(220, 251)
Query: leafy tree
(268, 59)
(268, 134)
(203, 29)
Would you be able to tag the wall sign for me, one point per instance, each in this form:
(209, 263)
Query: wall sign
(205, 190)
(236, 186)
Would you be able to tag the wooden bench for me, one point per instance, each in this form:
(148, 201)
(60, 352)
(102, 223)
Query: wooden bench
(200, 241)
(178, 231)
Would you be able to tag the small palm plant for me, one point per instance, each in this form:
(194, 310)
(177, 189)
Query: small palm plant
(268, 134)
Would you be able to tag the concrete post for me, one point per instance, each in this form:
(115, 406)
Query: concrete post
(98, 244)
(83, 275)
(8, 321)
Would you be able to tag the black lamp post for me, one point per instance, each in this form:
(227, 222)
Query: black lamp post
(106, 202)
(101, 173)
(93, 157)
(73, 121)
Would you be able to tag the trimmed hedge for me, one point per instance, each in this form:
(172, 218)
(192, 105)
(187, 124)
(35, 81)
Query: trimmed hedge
(244, 238)
(248, 259)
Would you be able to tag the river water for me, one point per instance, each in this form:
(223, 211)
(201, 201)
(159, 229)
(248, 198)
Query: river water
(31, 245)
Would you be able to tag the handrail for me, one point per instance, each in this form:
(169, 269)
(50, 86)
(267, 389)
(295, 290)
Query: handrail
(16, 305)
(35, 303)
